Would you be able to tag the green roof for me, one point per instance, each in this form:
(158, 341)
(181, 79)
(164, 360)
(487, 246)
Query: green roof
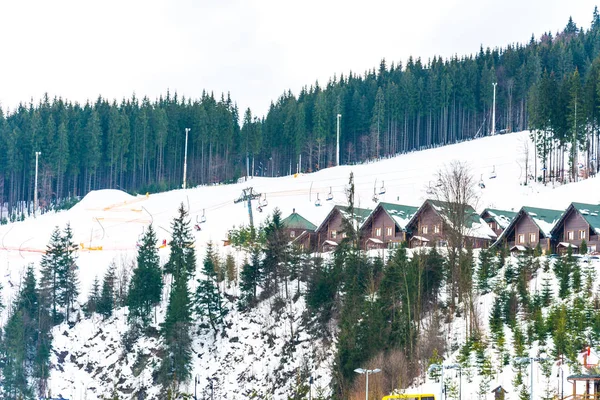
(297, 221)
(401, 214)
(591, 214)
(360, 214)
(544, 218)
(471, 219)
(502, 217)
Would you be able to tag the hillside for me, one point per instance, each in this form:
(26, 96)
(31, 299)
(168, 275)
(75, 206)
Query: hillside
(253, 355)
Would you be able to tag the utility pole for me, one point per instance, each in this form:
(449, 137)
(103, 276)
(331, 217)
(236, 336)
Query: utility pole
(494, 110)
(185, 157)
(35, 188)
(337, 154)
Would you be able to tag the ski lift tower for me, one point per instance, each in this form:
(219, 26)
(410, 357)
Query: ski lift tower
(248, 195)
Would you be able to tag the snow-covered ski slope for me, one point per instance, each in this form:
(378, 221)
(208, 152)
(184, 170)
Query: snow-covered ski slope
(107, 224)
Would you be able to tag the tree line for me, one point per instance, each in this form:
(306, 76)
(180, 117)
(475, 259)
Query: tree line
(549, 85)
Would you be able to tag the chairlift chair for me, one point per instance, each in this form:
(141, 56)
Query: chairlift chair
(481, 184)
(493, 173)
(439, 183)
(263, 202)
(382, 189)
(375, 198)
(318, 201)
(330, 195)
(259, 208)
(202, 218)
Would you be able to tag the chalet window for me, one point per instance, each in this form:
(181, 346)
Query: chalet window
(491, 224)
(521, 238)
(442, 243)
(377, 231)
(292, 234)
(389, 231)
(333, 234)
(570, 235)
(581, 234)
(436, 229)
(424, 229)
(532, 238)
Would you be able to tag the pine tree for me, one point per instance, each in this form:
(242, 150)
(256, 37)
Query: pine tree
(276, 256)
(146, 284)
(106, 303)
(231, 270)
(92, 304)
(182, 259)
(546, 292)
(175, 364)
(51, 268)
(67, 276)
(249, 280)
(208, 298)
(484, 272)
(583, 249)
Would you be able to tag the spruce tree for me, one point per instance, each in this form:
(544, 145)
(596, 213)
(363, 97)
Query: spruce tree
(208, 298)
(146, 284)
(106, 303)
(249, 280)
(583, 249)
(92, 304)
(484, 271)
(276, 256)
(175, 330)
(183, 257)
(231, 270)
(51, 269)
(67, 276)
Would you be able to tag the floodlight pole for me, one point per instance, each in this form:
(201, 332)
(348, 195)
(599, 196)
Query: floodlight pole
(337, 154)
(35, 188)
(494, 110)
(185, 157)
(367, 372)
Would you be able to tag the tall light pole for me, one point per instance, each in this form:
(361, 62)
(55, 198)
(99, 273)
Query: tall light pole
(35, 186)
(187, 130)
(337, 154)
(494, 110)
(367, 372)
(435, 367)
(530, 360)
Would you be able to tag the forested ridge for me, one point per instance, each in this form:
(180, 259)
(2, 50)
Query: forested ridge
(550, 85)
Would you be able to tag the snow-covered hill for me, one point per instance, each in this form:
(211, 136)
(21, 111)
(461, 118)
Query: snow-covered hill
(89, 359)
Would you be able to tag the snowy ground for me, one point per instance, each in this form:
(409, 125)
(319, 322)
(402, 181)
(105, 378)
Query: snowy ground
(108, 223)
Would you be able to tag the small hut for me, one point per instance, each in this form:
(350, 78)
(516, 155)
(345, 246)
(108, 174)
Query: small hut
(499, 393)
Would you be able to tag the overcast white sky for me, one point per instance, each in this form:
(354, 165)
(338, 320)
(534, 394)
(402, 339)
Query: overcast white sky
(253, 49)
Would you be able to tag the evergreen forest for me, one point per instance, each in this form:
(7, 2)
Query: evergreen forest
(550, 85)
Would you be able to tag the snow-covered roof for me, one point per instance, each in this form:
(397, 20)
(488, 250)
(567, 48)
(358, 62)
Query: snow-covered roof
(330, 242)
(518, 247)
(375, 240)
(544, 218)
(567, 244)
(399, 213)
(502, 217)
(475, 226)
(591, 214)
(421, 238)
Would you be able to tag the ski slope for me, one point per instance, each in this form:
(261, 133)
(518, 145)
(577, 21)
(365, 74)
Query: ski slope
(108, 223)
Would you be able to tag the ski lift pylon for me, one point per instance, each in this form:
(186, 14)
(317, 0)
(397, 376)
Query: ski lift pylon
(330, 195)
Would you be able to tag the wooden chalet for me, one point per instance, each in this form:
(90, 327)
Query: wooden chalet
(529, 227)
(428, 226)
(330, 232)
(498, 220)
(385, 227)
(300, 231)
(578, 223)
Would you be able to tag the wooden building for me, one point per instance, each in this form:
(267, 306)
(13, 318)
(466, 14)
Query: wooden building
(385, 227)
(578, 223)
(429, 225)
(498, 220)
(330, 232)
(529, 227)
(300, 231)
